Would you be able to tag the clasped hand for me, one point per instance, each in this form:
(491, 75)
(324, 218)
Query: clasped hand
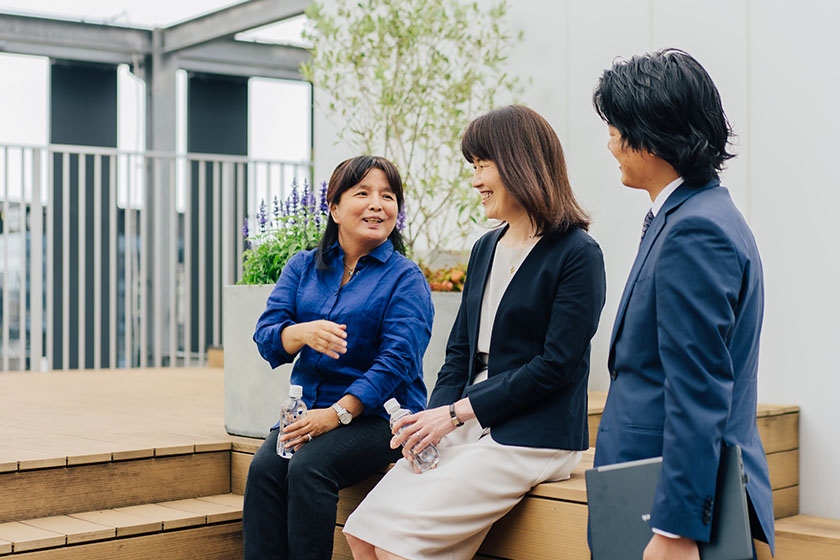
(421, 430)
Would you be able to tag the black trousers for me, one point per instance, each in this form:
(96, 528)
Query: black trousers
(290, 504)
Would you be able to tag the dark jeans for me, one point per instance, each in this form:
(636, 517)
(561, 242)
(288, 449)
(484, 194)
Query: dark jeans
(290, 504)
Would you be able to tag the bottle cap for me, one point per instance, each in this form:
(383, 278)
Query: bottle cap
(392, 406)
(295, 391)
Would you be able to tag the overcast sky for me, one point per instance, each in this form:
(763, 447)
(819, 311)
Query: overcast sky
(141, 13)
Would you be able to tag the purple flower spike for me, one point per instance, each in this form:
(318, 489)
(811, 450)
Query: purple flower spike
(245, 229)
(401, 217)
(276, 207)
(323, 199)
(294, 197)
(262, 216)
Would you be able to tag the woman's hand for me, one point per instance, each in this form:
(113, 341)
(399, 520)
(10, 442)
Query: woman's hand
(427, 427)
(313, 424)
(322, 336)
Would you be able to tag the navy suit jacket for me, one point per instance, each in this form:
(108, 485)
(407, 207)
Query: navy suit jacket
(536, 391)
(684, 359)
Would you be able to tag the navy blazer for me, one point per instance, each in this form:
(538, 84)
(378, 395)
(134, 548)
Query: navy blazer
(536, 391)
(684, 359)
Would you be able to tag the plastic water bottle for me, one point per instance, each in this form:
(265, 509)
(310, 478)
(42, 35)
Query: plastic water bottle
(426, 459)
(292, 411)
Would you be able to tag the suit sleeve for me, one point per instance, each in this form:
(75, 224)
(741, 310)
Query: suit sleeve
(454, 373)
(575, 311)
(697, 281)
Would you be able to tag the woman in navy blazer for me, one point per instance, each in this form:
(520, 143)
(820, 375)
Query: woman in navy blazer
(509, 409)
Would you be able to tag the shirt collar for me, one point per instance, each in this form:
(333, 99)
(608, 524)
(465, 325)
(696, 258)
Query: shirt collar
(663, 195)
(381, 253)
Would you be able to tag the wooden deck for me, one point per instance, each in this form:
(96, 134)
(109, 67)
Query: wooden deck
(57, 418)
(92, 433)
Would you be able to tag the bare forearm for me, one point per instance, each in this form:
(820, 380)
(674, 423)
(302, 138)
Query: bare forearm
(292, 339)
(352, 405)
(464, 410)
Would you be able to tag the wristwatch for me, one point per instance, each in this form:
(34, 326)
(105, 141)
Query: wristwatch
(344, 417)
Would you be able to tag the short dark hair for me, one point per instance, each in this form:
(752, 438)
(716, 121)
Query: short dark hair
(531, 165)
(667, 104)
(346, 175)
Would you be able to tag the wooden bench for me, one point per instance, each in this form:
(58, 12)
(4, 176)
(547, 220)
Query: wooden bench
(550, 522)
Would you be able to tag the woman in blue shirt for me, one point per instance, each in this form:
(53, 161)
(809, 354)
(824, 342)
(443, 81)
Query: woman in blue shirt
(359, 315)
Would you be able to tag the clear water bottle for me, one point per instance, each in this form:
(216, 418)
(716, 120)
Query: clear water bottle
(426, 459)
(292, 411)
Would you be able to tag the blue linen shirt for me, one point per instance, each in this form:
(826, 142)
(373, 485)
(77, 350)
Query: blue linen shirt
(388, 310)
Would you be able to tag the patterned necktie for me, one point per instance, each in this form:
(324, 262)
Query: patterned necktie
(646, 225)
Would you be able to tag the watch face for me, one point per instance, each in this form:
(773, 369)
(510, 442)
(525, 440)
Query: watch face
(344, 416)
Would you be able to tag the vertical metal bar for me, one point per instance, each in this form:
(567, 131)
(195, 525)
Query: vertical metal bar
(240, 215)
(112, 260)
(188, 266)
(228, 229)
(36, 307)
(217, 253)
(268, 187)
(97, 261)
(65, 262)
(173, 267)
(22, 292)
(143, 249)
(128, 262)
(157, 325)
(51, 194)
(202, 258)
(282, 195)
(6, 258)
(82, 247)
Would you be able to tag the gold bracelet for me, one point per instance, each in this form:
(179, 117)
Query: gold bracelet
(455, 421)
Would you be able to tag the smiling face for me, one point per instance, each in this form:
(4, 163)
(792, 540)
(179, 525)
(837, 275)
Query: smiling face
(498, 203)
(366, 213)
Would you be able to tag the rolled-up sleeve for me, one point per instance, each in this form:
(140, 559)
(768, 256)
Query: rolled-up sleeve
(280, 312)
(406, 330)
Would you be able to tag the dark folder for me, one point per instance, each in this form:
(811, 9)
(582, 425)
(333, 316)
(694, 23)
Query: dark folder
(620, 498)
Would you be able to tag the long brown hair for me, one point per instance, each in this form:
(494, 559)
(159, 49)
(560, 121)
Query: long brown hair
(530, 160)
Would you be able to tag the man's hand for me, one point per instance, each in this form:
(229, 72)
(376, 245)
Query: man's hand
(664, 548)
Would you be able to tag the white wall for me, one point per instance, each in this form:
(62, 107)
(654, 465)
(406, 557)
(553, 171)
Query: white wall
(775, 65)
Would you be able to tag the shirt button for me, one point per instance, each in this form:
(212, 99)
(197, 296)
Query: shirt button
(613, 374)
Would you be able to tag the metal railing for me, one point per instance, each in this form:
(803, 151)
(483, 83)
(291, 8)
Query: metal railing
(113, 259)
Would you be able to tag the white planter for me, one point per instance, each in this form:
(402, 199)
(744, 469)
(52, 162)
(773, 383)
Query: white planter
(254, 393)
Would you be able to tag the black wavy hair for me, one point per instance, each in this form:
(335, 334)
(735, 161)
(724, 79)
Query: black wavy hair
(346, 175)
(667, 104)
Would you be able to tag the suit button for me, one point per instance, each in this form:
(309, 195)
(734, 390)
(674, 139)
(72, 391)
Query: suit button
(613, 374)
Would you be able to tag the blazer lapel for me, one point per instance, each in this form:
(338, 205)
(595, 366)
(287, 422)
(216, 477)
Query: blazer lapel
(679, 196)
(481, 270)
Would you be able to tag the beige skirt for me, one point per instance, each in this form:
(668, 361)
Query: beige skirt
(445, 513)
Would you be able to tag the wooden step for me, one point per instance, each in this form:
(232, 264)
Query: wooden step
(73, 536)
(125, 479)
(805, 536)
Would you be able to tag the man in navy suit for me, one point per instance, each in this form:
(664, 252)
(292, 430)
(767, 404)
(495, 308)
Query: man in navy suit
(684, 350)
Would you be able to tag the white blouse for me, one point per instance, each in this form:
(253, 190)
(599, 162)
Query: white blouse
(506, 263)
